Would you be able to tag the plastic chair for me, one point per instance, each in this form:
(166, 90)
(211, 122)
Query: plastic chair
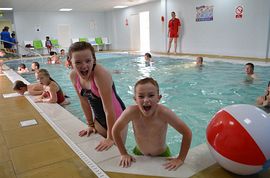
(55, 44)
(74, 40)
(106, 42)
(38, 45)
(99, 42)
(83, 39)
(93, 43)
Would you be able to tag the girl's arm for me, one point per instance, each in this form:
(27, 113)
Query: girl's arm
(85, 106)
(83, 101)
(35, 89)
(53, 88)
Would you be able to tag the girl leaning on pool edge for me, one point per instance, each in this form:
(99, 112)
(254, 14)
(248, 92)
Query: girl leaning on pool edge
(96, 90)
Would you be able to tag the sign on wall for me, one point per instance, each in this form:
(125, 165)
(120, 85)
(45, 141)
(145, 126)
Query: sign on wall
(239, 12)
(204, 13)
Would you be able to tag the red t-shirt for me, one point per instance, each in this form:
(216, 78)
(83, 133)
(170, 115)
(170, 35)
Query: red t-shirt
(173, 27)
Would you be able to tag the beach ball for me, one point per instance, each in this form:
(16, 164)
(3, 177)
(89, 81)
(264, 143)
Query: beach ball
(238, 137)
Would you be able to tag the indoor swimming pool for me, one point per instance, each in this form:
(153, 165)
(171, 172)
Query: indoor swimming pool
(194, 93)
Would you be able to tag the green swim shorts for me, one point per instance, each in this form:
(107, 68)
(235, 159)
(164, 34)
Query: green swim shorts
(166, 153)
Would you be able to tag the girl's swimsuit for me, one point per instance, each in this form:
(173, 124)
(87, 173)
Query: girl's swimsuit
(96, 102)
(59, 94)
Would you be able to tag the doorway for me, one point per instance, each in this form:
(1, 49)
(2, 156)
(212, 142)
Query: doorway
(144, 31)
(139, 32)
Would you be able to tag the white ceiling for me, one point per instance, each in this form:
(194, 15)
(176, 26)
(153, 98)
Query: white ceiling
(76, 5)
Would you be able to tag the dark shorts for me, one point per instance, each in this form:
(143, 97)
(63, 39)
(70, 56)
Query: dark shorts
(7, 45)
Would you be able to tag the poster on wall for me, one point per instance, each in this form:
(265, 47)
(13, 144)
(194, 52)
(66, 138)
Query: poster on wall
(204, 13)
(239, 12)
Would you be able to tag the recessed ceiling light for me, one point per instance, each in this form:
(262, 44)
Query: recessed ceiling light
(119, 7)
(6, 9)
(65, 9)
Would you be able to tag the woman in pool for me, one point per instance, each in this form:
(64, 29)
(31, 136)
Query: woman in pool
(52, 91)
(96, 90)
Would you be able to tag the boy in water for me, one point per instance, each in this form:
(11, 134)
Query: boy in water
(199, 61)
(249, 69)
(150, 121)
(33, 89)
(148, 59)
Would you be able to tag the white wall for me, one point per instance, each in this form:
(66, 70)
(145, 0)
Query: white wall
(225, 35)
(26, 23)
(119, 33)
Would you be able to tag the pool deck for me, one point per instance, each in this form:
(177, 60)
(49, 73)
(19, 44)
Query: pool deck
(52, 148)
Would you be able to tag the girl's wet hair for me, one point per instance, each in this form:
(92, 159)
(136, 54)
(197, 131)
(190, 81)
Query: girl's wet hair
(146, 80)
(44, 72)
(79, 46)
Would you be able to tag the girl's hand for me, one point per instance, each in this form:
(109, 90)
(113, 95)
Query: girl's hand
(126, 160)
(173, 164)
(38, 100)
(105, 144)
(87, 131)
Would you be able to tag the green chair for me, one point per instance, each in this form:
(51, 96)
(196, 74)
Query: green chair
(83, 39)
(55, 43)
(99, 41)
(37, 44)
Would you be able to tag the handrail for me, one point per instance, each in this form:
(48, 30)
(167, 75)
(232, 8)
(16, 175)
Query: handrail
(24, 48)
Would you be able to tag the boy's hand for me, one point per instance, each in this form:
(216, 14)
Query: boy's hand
(126, 160)
(173, 164)
(87, 131)
(105, 144)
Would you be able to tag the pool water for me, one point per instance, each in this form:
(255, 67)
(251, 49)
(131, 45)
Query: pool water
(195, 94)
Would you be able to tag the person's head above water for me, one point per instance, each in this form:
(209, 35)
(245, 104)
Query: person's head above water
(249, 68)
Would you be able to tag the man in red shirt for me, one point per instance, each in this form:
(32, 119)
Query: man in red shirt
(173, 33)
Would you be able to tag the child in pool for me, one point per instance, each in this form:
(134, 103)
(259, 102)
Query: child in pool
(265, 99)
(22, 69)
(199, 61)
(52, 91)
(150, 121)
(33, 89)
(148, 59)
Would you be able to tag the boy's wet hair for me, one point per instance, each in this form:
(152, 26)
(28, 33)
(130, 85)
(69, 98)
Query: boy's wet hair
(200, 58)
(53, 53)
(148, 55)
(22, 66)
(36, 64)
(251, 65)
(18, 85)
(146, 80)
(79, 46)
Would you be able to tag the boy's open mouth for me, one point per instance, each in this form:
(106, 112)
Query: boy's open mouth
(146, 108)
